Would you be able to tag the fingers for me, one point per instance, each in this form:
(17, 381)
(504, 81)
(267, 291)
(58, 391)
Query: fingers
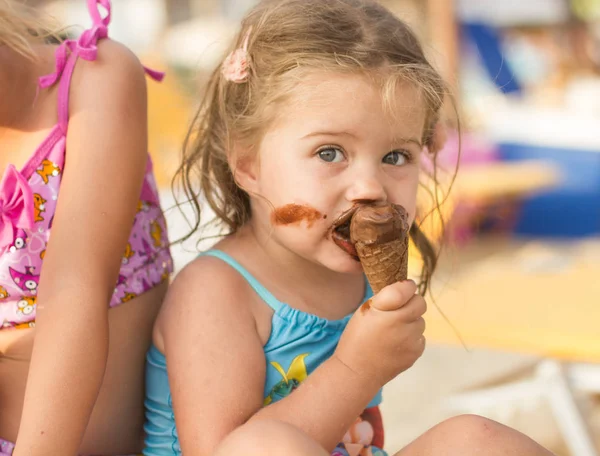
(401, 297)
(414, 341)
(394, 296)
(420, 341)
(417, 328)
(414, 309)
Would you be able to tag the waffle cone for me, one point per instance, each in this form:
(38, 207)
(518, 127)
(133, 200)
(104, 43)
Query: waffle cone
(380, 237)
(384, 264)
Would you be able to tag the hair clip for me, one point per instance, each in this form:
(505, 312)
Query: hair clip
(235, 66)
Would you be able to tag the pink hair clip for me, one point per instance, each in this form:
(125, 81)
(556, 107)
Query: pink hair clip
(235, 66)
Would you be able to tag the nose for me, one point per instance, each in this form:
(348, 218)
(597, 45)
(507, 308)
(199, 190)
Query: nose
(366, 187)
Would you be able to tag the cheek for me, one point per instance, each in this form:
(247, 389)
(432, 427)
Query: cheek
(405, 193)
(272, 184)
(289, 183)
(411, 203)
(411, 208)
(277, 177)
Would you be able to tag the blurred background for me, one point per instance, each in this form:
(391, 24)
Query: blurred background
(514, 324)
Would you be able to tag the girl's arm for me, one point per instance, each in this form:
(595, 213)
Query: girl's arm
(101, 184)
(216, 363)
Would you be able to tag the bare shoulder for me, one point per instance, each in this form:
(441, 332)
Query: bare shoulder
(211, 289)
(115, 76)
(108, 111)
(210, 276)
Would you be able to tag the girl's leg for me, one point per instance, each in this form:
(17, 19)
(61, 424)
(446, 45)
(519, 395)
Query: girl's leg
(268, 437)
(470, 435)
(466, 435)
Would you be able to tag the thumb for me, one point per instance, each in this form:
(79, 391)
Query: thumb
(394, 296)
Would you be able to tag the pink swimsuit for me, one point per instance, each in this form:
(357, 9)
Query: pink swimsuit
(28, 201)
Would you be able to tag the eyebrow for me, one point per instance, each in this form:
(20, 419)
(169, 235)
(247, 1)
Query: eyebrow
(347, 133)
(412, 140)
(329, 133)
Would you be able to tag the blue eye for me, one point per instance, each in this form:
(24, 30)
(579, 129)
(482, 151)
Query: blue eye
(396, 158)
(331, 155)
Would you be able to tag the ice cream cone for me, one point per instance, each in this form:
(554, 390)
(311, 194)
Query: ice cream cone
(380, 237)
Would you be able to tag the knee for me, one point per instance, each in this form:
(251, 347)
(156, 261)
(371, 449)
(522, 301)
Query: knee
(471, 430)
(266, 437)
(472, 434)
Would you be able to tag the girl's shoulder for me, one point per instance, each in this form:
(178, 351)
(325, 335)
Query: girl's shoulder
(209, 286)
(115, 73)
(106, 108)
(207, 272)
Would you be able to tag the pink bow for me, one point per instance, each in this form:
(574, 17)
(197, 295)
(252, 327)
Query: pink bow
(16, 205)
(235, 68)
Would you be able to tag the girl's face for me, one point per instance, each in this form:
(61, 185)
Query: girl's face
(332, 146)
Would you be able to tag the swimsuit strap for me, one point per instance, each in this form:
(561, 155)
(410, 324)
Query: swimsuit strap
(259, 289)
(86, 48)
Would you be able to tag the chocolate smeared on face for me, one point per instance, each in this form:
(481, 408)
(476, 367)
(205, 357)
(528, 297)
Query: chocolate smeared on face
(295, 213)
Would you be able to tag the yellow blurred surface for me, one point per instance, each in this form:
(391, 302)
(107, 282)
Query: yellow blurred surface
(504, 180)
(538, 298)
(169, 116)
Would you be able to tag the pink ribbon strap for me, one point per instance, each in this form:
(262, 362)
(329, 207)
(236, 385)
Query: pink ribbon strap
(86, 46)
(16, 205)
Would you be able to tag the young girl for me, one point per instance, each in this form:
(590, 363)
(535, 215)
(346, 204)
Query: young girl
(322, 105)
(81, 231)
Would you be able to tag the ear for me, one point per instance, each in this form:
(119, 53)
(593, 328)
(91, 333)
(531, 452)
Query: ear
(244, 166)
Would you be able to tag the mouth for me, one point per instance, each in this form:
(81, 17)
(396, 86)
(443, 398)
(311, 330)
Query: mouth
(340, 232)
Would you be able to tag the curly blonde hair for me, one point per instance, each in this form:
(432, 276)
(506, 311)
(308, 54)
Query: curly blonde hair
(289, 38)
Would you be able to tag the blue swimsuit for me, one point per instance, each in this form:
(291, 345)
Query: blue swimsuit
(298, 344)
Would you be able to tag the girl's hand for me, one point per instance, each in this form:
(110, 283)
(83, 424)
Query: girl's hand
(385, 336)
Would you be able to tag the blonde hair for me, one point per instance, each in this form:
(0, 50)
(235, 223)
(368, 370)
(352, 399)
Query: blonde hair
(289, 37)
(20, 27)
